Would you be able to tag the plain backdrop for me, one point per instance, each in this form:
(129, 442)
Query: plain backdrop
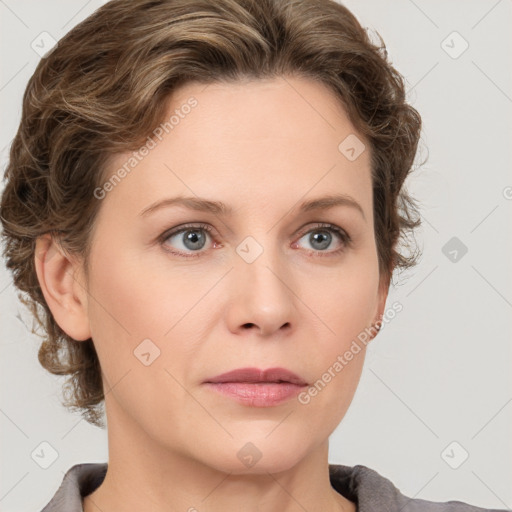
(437, 384)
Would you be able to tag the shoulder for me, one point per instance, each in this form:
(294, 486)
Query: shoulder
(79, 481)
(373, 492)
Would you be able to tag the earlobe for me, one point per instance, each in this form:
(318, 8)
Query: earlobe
(65, 295)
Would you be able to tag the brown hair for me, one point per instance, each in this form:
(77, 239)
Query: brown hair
(100, 91)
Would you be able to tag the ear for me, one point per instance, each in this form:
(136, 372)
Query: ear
(61, 280)
(381, 303)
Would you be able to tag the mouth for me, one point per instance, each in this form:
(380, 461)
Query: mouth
(257, 388)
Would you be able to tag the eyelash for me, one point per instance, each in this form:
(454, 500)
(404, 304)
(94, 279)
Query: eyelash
(343, 236)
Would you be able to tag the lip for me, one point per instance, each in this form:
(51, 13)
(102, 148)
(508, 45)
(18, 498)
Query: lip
(257, 388)
(255, 375)
(256, 394)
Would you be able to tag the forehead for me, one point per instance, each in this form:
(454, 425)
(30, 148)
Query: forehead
(250, 142)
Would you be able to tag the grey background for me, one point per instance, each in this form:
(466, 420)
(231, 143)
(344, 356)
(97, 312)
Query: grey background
(440, 370)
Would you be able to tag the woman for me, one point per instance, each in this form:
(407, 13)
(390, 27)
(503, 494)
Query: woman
(206, 199)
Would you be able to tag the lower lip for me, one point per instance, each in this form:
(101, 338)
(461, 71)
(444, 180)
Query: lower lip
(257, 395)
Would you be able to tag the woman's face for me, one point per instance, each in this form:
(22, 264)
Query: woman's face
(266, 287)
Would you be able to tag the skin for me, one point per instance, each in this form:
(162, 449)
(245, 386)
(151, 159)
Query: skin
(261, 147)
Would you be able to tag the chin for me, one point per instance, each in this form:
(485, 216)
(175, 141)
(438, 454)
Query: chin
(258, 456)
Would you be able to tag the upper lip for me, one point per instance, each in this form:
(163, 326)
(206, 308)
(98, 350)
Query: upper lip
(257, 375)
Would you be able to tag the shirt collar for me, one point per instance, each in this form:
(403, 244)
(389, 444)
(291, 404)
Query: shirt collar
(360, 484)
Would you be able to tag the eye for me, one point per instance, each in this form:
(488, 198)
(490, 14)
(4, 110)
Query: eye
(191, 238)
(320, 237)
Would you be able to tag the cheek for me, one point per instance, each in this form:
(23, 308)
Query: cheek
(129, 316)
(340, 339)
(122, 311)
(344, 308)
(345, 299)
(346, 312)
(131, 297)
(132, 302)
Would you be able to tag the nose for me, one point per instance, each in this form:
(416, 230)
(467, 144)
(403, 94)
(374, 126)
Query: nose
(262, 295)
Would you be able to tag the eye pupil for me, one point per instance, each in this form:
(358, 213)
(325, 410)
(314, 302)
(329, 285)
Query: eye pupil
(194, 238)
(321, 237)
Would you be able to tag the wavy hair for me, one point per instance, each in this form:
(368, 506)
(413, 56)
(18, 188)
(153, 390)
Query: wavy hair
(100, 91)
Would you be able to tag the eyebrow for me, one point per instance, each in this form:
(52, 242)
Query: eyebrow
(220, 208)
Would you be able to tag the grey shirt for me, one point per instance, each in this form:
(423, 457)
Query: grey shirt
(360, 484)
